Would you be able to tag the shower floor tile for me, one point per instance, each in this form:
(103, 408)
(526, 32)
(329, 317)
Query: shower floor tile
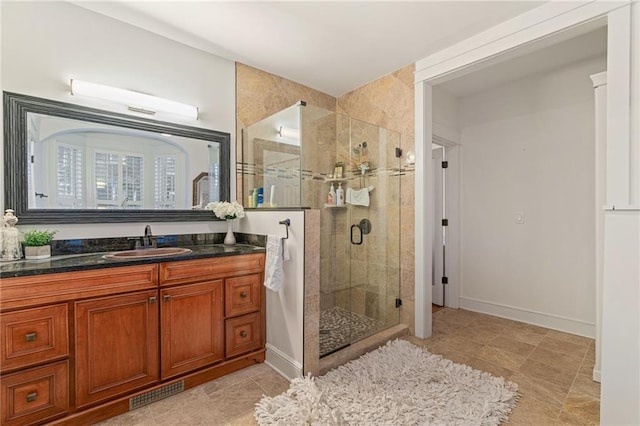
(339, 327)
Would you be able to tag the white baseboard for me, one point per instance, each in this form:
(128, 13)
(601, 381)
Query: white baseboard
(596, 376)
(555, 322)
(282, 363)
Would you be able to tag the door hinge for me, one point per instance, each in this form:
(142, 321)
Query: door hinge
(445, 222)
(445, 280)
(445, 164)
(398, 302)
(33, 159)
(398, 152)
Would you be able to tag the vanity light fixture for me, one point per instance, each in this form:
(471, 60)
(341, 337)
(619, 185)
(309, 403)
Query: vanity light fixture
(135, 101)
(285, 132)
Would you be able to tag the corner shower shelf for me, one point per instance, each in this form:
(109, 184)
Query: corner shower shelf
(333, 206)
(335, 180)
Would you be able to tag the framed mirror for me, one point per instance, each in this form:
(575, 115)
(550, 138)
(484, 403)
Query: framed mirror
(66, 163)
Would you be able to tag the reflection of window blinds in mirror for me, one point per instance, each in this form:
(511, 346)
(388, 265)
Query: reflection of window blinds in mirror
(214, 173)
(119, 180)
(165, 182)
(133, 180)
(69, 177)
(106, 171)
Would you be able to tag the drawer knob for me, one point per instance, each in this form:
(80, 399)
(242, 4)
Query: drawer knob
(243, 334)
(32, 396)
(244, 294)
(166, 297)
(152, 299)
(30, 337)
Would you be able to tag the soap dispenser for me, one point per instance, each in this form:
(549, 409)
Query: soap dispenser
(331, 198)
(340, 195)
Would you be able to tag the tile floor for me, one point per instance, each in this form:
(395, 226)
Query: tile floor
(229, 400)
(552, 369)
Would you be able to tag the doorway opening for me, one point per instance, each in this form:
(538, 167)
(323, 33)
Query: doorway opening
(526, 235)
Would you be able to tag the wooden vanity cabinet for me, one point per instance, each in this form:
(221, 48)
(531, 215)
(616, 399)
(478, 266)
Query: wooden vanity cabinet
(80, 347)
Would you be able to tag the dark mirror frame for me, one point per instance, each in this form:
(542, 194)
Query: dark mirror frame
(16, 108)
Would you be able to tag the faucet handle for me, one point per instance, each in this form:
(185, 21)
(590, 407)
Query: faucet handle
(138, 241)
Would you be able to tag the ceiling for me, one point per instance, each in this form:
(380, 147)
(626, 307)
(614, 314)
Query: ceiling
(333, 47)
(537, 60)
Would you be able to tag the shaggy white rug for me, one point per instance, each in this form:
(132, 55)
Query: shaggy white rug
(397, 384)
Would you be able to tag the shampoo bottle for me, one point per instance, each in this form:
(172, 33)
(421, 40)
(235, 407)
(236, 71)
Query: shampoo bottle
(340, 195)
(260, 197)
(331, 199)
(250, 199)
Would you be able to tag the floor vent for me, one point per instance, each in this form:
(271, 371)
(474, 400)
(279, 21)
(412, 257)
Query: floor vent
(155, 395)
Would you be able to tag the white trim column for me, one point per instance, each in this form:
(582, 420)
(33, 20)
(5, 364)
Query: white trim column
(600, 89)
(424, 212)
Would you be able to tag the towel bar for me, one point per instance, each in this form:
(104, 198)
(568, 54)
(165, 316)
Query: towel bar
(286, 223)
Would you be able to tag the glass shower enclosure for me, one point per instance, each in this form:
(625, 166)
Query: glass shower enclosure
(293, 159)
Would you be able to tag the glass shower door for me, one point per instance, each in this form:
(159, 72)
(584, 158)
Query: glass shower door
(373, 197)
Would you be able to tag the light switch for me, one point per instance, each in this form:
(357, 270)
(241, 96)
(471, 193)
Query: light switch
(520, 218)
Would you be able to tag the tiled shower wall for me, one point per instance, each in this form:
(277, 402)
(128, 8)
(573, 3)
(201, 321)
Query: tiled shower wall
(260, 94)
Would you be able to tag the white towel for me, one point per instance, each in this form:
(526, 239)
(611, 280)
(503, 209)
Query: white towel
(276, 253)
(358, 197)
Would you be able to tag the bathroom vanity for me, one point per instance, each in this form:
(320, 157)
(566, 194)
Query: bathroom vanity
(84, 339)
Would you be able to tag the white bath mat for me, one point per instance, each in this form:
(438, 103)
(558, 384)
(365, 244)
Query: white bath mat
(397, 384)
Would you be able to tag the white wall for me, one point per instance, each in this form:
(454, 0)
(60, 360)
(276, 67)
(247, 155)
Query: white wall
(44, 44)
(621, 282)
(285, 320)
(528, 147)
(445, 115)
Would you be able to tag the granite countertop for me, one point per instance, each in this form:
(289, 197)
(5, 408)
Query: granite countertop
(78, 262)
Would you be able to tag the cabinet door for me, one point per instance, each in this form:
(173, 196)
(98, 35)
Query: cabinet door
(116, 345)
(192, 327)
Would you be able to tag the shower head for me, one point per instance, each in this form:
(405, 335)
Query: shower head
(359, 147)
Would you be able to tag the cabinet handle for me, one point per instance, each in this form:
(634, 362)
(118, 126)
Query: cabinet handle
(30, 337)
(243, 295)
(166, 297)
(32, 396)
(243, 334)
(152, 299)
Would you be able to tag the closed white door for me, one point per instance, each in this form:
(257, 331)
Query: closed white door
(438, 230)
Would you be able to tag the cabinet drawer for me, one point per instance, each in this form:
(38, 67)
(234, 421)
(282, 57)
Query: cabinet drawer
(24, 292)
(35, 395)
(191, 271)
(243, 334)
(33, 336)
(242, 294)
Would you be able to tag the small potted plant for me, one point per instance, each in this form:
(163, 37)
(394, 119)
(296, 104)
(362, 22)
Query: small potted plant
(37, 243)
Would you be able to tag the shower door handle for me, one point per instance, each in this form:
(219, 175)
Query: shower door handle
(360, 232)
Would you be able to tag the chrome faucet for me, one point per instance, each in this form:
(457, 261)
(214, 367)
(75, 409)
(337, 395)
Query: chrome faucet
(148, 240)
